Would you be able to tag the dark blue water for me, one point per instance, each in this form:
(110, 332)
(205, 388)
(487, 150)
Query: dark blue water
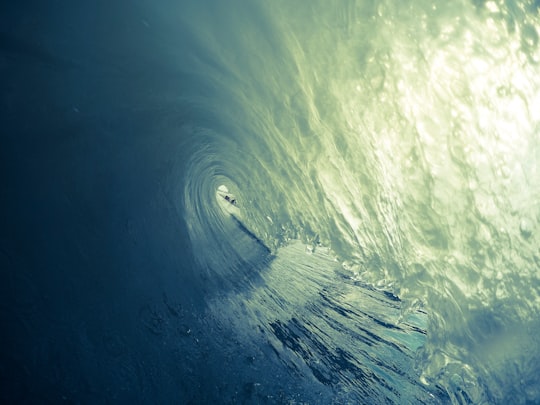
(383, 244)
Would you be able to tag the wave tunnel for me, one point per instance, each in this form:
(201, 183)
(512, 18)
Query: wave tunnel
(278, 202)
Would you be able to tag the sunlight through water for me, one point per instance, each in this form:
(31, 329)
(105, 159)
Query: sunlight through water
(404, 136)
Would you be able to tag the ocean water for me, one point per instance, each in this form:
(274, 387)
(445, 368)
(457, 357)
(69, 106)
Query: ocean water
(383, 244)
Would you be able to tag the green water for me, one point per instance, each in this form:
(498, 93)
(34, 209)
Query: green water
(404, 136)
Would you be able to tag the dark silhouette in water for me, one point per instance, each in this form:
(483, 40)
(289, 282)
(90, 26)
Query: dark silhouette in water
(231, 200)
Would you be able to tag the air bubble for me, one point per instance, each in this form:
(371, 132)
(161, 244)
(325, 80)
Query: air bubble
(505, 172)
(526, 227)
(529, 37)
(503, 91)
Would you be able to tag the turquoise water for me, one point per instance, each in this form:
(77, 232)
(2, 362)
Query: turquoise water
(384, 242)
(401, 136)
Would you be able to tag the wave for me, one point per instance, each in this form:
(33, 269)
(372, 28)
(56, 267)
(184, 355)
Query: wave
(403, 138)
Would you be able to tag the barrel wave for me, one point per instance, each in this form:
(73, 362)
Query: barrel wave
(274, 202)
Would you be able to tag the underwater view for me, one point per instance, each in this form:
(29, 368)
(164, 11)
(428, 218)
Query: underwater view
(270, 202)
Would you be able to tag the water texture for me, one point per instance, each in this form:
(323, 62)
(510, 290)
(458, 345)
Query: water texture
(383, 243)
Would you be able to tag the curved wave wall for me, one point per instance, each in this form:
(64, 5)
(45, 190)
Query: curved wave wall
(397, 141)
(405, 138)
